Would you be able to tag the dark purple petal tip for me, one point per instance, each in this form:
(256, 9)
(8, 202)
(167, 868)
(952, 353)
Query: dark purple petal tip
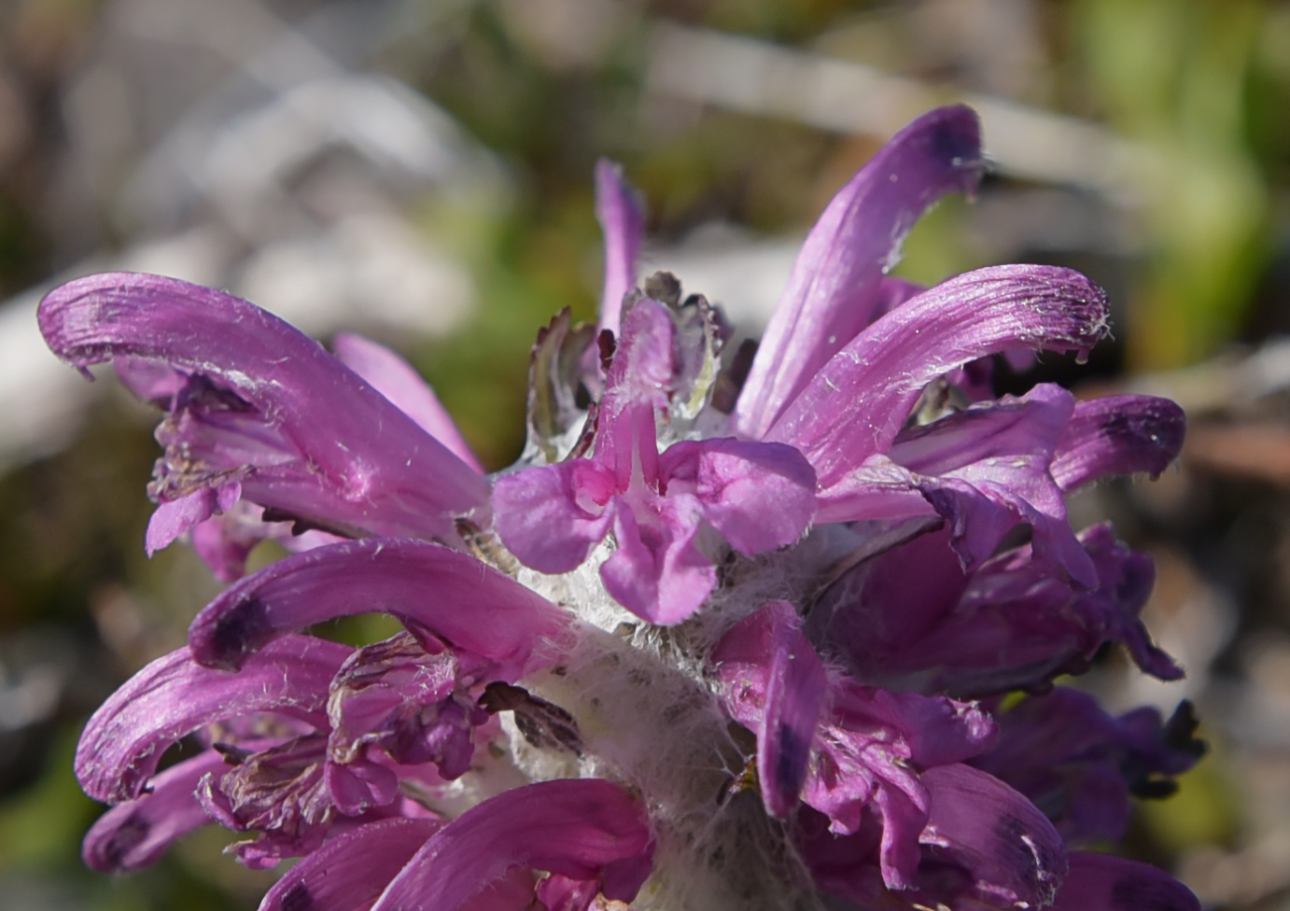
(135, 834)
(1103, 882)
(1117, 435)
(429, 587)
(124, 740)
(857, 402)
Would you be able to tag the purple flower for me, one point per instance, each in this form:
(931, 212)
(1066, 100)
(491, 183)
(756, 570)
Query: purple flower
(711, 643)
(758, 495)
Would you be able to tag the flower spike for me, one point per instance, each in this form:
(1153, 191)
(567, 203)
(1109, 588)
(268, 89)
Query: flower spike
(716, 639)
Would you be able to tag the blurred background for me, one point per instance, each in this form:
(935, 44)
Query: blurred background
(420, 171)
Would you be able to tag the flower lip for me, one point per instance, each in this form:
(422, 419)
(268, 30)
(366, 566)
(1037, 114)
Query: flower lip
(759, 495)
(1116, 435)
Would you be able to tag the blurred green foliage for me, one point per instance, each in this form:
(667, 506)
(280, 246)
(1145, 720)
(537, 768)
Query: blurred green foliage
(1176, 74)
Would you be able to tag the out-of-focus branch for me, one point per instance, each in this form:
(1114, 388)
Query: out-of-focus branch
(757, 77)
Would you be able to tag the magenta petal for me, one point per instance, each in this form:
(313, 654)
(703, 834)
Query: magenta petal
(773, 682)
(795, 696)
(551, 516)
(657, 572)
(878, 490)
(638, 383)
(856, 403)
(560, 893)
(134, 834)
(1012, 624)
(888, 603)
(1011, 849)
(623, 226)
(870, 754)
(760, 496)
(1001, 430)
(395, 379)
(837, 282)
(174, 517)
(149, 381)
(986, 469)
(1120, 434)
(1104, 882)
(305, 434)
(415, 707)
(428, 587)
(582, 829)
(173, 695)
(350, 870)
(360, 786)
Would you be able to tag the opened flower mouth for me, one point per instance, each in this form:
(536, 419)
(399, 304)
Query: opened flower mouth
(721, 638)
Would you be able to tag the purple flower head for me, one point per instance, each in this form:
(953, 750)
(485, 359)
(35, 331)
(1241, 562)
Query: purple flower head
(717, 640)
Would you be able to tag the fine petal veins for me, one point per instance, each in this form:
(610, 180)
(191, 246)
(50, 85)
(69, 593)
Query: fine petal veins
(587, 830)
(1015, 856)
(856, 404)
(623, 225)
(430, 588)
(395, 379)
(263, 406)
(837, 283)
(351, 870)
(174, 695)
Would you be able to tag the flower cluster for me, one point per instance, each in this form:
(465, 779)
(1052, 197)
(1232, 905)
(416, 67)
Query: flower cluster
(771, 632)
